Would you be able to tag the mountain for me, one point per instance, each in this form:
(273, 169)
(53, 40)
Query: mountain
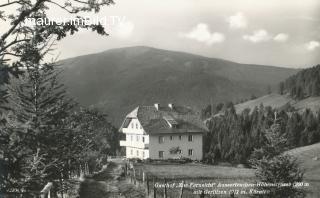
(118, 80)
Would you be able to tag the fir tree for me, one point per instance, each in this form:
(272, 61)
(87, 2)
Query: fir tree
(35, 130)
(276, 167)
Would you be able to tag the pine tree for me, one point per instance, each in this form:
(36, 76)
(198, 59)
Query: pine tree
(35, 128)
(274, 166)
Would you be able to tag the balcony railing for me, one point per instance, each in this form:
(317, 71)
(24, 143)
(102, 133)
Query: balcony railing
(135, 144)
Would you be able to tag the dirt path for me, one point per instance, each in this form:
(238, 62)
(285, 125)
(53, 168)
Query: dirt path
(110, 183)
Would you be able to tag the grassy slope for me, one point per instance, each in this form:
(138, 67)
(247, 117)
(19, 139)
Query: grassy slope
(198, 171)
(312, 103)
(306, 156)
(273, 100)
(277, 101)
(199, 174)
(309, 157)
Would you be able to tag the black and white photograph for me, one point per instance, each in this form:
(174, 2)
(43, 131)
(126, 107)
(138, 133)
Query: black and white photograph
(159, 99)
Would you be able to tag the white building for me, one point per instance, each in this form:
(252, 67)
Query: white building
(157, 132)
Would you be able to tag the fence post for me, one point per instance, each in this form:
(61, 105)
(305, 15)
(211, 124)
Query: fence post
(125, 169)
(87, 167)
(143, 177)
(62, 186)
(148, 190)
(154, 189)
(165, 188)
(202, 194)
(181, 191)
(141, 174)
(138, 177)
(134, 176)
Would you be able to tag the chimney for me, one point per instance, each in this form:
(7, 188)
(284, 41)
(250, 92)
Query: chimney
(156, 105)
(170, 105)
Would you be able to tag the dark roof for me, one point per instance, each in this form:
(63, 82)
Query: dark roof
(153, 121)
(126, 122)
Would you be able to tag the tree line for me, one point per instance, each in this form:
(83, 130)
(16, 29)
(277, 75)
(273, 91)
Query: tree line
(303, 84)
(232, 137)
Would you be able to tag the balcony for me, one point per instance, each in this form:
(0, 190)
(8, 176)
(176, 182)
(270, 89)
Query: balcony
(134, 144)
(123, 143)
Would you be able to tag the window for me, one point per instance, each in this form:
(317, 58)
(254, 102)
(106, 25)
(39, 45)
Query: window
(131, 138)
(161, 154)
(143, 154)
(190, 138)
(190, 152)
(161, 139)
(131, 151)
(137, 138)
(137, 126)
(142, 139)
(171, 137)
(180, 137)
(137, 153)
(132, 125)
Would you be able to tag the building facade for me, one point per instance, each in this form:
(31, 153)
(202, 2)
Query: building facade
(157, 132)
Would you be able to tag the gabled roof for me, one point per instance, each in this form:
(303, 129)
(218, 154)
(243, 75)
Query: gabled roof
(166, 120)
(126, 122)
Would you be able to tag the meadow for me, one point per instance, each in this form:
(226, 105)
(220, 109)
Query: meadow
(196, 175)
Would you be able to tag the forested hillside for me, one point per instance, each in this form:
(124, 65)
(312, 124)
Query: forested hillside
(233, 136)
(236, 130)
(304, 84)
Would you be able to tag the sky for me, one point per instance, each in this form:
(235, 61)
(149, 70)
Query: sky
(282, 33)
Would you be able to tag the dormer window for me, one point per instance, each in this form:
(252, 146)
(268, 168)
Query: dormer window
(171, 122)
(137, 126)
